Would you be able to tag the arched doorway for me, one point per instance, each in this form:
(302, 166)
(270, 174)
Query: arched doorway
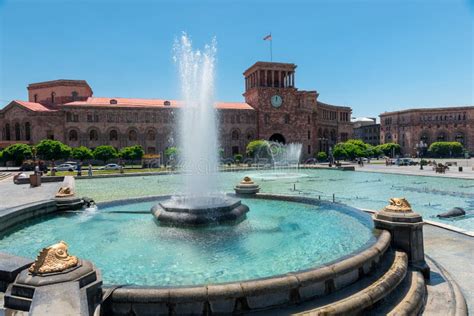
(278, 138)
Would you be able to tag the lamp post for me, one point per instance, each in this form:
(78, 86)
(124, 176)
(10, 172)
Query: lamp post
(421, 146)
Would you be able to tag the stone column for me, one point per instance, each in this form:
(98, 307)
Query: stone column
(406, 228)
(266, 78)
(273, 78)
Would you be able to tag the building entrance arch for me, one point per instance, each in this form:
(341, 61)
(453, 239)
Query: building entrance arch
(278, 138)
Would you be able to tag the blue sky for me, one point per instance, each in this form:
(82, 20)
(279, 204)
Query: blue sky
(372, 55)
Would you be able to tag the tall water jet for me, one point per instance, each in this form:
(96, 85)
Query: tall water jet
(200, 202)
(198, 141)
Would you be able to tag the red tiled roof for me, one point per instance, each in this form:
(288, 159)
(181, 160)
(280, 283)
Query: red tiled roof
(127, 102)
(34, 106)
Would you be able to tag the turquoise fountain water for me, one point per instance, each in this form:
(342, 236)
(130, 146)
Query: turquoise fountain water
(129, 248)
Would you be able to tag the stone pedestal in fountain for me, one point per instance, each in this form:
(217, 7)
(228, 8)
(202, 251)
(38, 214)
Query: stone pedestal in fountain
(406, 228)
(247, 186)
(56, 284)
(199, 211)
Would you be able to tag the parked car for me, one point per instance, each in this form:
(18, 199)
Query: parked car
(110, 166)
(65, 167)
(406, 162)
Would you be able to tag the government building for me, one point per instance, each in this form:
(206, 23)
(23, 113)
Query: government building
(410, 128)
(274, 109)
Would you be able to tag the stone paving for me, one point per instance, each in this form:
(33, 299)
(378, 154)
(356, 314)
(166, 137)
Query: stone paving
(455, 252)
(12, 195)
(467, 172)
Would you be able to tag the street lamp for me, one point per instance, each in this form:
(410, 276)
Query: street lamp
(420, 147)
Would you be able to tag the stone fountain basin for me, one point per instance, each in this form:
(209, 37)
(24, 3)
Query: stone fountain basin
(199, 211)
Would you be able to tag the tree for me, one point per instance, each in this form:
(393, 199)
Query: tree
(49, 149)
(352, 149)
(255, 146)
(322, 156)
(104, 153)
(446, 149)
(82, 153)
(132, 153)
(339, 152)
(389, 149)
(171, 152)
(238, 158)
(17, 153)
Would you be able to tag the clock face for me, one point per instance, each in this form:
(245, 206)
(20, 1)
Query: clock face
(276, 101)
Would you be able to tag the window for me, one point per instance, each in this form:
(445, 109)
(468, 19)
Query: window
(113, 135)
(151, 135)
(309, 149)
(235, 150)
(27, 131)
(35, 98)
(235, 135)
(17, 131)
(73, 136)
(113, 101)
(309, 134)
(287, 119)
(53, 95)
(7, 132)
(266, 119)
(74, 95)
(93, 135)
(167, 103)
(132, 135)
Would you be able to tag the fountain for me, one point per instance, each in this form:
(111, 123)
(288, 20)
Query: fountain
(201, 203)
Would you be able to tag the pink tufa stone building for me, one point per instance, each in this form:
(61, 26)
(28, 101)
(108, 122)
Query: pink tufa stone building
(274, 109)
(410, 127)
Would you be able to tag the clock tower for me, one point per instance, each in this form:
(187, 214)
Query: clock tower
(283, 113)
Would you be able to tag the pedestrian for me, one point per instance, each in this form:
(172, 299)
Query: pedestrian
(79, 170)
(89, 171)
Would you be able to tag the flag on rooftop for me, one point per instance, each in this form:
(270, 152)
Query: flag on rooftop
(268, 37)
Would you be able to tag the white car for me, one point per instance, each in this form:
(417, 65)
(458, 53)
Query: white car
(110, 166)
(65, 167)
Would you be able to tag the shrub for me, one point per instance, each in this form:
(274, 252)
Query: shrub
(82, 153)
(255, 146)
(17, 153)
(446, 149)
(49, 149)
(322, 156)
(238, 158)
(104, 153)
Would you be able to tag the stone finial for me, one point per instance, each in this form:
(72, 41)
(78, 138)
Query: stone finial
(247, 186)
(54, 258)
(398, 205)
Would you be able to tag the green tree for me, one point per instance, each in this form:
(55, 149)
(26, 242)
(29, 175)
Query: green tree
(322, 156)
(255, 146)
(446, 149)
(132, 153)
(82, 153)
(389, 149)
(49, 149)
(104, 153)
(339, 152)
(17, 153)
(171, 152)
(238, 158)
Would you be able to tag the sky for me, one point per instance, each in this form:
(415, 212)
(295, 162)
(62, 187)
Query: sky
(371, 55)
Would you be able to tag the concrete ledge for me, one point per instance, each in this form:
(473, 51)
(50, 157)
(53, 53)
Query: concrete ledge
(13, 216)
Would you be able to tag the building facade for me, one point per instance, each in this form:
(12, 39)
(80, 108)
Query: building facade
(274, 109)
(410, 127)
(367, 130)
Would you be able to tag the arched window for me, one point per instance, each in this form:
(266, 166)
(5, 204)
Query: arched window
(17, 131)
(53, 95)
(250, 135)
(35, 97)
(132, 135)
(27, 131)
(151, 135)
(74, 95)
(441, 137)
(7, 132)
(93, 135)
(113, 135)
(309, 134)
(72, 136)
(459, 138)
(235, 135)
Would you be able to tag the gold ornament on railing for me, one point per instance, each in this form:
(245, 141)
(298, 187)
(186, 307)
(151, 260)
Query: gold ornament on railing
(54, 258)
(398, 205)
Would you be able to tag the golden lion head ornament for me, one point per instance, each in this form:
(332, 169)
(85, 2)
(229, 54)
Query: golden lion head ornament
(54, 258)
(398, 205)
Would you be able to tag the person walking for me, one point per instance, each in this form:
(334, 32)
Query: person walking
(89, 171)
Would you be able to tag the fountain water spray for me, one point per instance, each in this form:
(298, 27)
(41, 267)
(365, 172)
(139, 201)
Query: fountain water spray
(198, 141)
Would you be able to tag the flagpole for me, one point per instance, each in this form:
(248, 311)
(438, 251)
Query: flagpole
(271, 48)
